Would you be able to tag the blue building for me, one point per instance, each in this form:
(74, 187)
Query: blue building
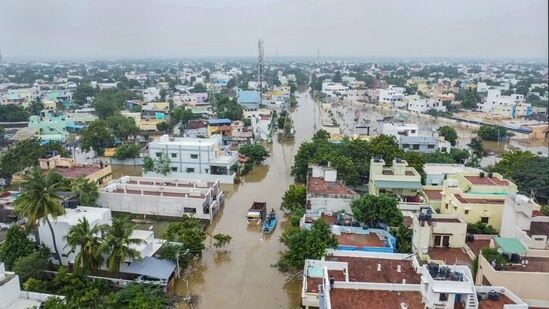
(249, 99)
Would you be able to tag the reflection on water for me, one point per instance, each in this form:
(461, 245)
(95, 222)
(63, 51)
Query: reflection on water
(242, 274)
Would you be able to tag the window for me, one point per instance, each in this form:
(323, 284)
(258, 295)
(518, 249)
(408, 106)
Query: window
(158, 154)
(539, 239)
(405, 145)
(431, 146)
(466, 211)
(194, 156)
(484, 219)
(415, 146)
(174, 169)
(189, 170)
(189, 210)
(174, 155)
(443, 297)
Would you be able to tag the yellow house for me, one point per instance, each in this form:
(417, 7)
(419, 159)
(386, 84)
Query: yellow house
(476, 197)
(398, 179)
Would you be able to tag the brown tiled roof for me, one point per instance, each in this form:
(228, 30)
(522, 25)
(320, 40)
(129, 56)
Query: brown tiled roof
(433, 194)
(375, 299)
(319, 186)
(487, 181)
(469, 200)
(365, 269)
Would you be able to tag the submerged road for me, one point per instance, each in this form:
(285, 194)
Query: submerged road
(243, 275)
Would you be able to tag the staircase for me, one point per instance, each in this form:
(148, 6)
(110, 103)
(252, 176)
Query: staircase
(471, 301)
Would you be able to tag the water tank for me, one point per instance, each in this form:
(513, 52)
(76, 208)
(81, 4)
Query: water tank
(515, 258)
(521, 199)
(493, 295)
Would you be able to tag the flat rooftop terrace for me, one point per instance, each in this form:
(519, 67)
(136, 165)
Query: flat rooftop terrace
(360, 240)
(320, 186)
(495, 304)
(450, 256)
(77, 171)
(469, 200)
(391, 172)
(487, 181)
(375, 299)
(365, 269)
(158, 193)
(477, 244)
(434, 195)
(535, 264)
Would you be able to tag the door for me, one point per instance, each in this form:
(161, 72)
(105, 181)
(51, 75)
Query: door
(446, 241)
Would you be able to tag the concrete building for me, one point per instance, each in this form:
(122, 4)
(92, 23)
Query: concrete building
(334, 89)
(168, 197)
(393, 96)
(261, 120)
(476, 197)
(11, 296)
(418, 104)
(346, 279)
(399, 179)
(195, 158)
(68, 168)
(325, 193)
(436, 173)
(249, 99)
(398, 130)
(426, 144)
(508, 106)
(52, 126)
(523, 220)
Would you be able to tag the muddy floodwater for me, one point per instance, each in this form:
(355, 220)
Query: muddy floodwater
(242, 274)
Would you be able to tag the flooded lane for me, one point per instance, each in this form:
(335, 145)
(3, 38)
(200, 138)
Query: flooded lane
(242, 274)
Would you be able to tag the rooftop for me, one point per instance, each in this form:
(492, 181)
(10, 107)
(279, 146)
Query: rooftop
(318, 185)
(77, 171)
(375, 299)
(469, 200)
(539, 228)
(440, 168)
(535, 264)
(478, 244)
(433, 195)
(450, 256)
(72, 216)
(487, 181)
(389, 171)
(360, 240)
(184, 141)
(495, 304)
(363, 269)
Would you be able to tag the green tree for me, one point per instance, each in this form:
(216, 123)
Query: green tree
(110, 101)
(163, 127)
(163, 94)
(177, 253)
(35, 107)
(182, 116)
(139, 296)
(321, 135)
(477, 147)
(188, 232)
(403, 236)
(12, 113)
(305, 244)
(30, 265)
(384, 146)
(97, 137)
(87, 239)
(228, 108)
(2, 134)
(39, 201)
(15, 246)
(221, 240)
(148, 164)
(372, 209)
(256, 152)
(87, 191)
(294, 198)
(117, 243)
(449, 134)
(127, 151)
(481, 228)
(491, 133)
(121, 126)
(82, 92)
(416, 160)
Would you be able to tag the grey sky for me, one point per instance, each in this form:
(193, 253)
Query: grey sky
(33, 29)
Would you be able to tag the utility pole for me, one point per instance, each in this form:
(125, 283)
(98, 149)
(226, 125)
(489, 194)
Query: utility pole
(260, 69)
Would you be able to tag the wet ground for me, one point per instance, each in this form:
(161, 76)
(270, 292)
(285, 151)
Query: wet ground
(242, 274)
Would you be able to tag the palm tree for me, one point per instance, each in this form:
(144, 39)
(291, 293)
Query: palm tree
(117, 243)
(88, 238)
(87, 191)
(39, 201)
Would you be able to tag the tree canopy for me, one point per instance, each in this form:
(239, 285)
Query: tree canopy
(372, 210)
(256, 152)
(12, 113)
(97, 137)
(449, 134)
(492, 133)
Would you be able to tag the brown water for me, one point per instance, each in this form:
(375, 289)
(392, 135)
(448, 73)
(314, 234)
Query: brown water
(242, 274)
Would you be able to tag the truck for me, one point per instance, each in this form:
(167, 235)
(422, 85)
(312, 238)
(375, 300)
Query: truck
(256, 214)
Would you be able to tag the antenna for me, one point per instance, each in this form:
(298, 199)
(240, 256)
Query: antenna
(260, 68)
(318, 55)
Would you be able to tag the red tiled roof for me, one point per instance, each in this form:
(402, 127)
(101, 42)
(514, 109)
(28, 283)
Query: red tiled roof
(433, 194)
(487, 181)
(469, 200)
(319, 186)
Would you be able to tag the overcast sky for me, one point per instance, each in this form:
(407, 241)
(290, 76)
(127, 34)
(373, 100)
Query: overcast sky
(38, 29)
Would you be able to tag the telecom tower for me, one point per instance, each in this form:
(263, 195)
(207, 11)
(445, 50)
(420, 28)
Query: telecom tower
(260, 69)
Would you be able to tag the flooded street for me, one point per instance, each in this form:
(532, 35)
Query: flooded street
(242, 274)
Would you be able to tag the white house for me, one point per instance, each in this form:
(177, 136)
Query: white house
(168, 197)
(334, 89)
(11, 296)
(195, 158)
(509, 106)
(393, 96)
(520, 221)
(396, 130)
(422, 105)
(325, 193)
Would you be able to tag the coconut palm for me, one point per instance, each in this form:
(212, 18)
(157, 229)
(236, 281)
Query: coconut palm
(39, 201)
(88, 238)
(87, 191)
(117, 243)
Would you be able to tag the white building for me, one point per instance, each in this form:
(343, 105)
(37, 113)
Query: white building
(509, 106)
(261, 120)
(396, 130)
(520, 221)
(163, 197)
(325, 193)
(422, 105)
(334, 89)
(195, 158)
(11, 296)
(393, 96)
(436, 173)
(151, 94)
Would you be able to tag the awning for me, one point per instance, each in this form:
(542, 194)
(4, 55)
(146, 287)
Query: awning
(150, 267)
(391, 184)
(510, 245)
